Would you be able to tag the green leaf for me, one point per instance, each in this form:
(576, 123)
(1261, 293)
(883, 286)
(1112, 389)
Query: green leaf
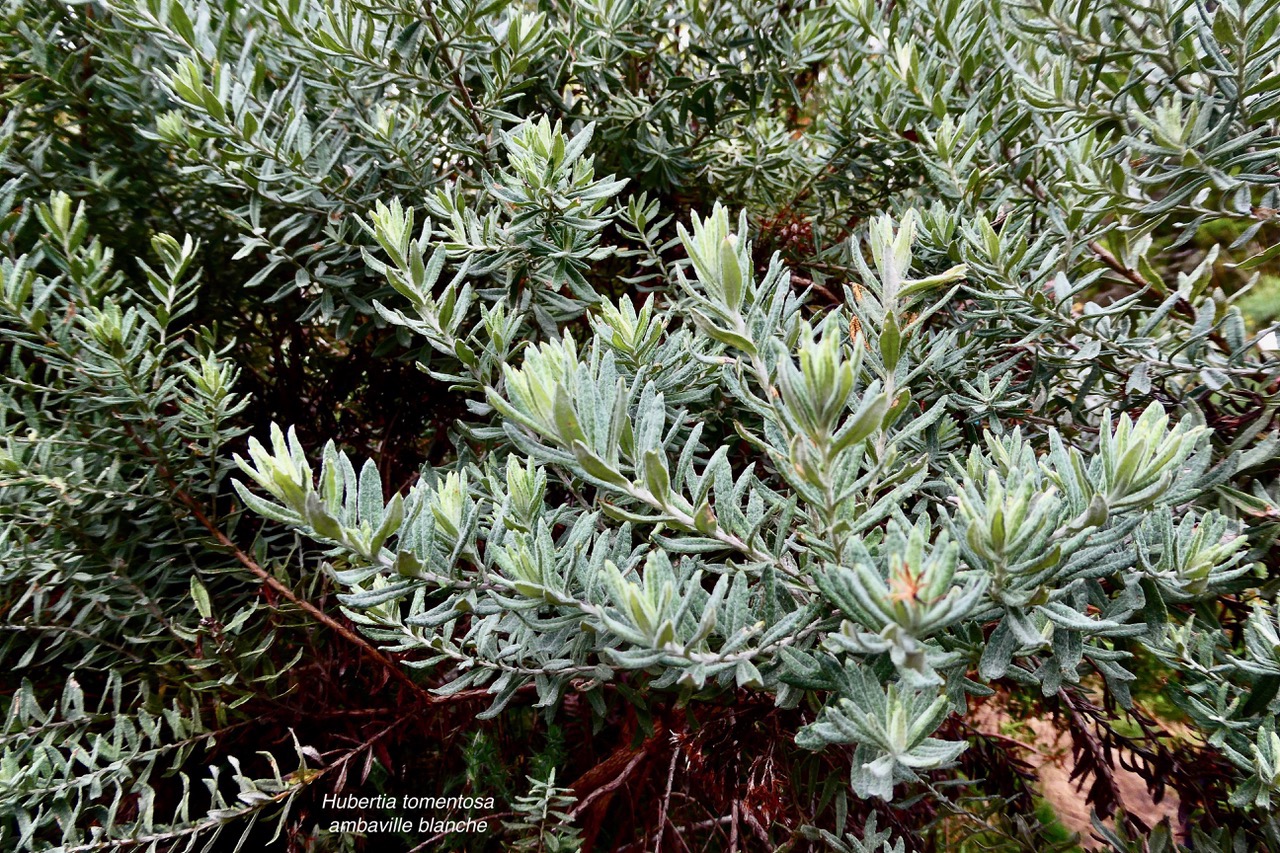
(200, 596)
(596, 467)
(998, 653)
(869, 418)
(890, 342)
(370, 494)
(704, 520)
(657, 480)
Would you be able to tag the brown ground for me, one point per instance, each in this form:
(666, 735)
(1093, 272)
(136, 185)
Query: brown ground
(1048, 749)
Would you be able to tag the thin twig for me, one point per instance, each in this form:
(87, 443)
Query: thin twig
(666, 797)
(1134, 277)
(1182, 305)
(463, 92)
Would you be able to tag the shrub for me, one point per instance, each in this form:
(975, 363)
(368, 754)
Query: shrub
(725, 402)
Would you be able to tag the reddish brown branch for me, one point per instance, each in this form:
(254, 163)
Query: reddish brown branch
(393, 669)
(611, 774)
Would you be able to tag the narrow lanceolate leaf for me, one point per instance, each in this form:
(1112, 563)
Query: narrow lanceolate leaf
(200, 596)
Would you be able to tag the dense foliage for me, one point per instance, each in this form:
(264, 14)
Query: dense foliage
(683, 423)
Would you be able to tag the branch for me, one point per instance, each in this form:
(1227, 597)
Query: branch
(463, 92)
(392, 668)
(606, 768)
